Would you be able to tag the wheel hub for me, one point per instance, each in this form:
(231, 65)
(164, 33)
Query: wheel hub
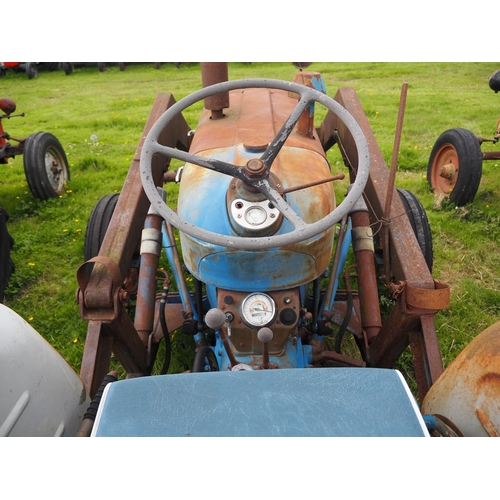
(448, 171)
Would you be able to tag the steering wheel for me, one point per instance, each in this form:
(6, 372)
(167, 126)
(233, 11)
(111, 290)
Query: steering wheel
(256, 172)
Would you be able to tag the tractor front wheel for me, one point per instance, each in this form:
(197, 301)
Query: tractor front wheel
(45, 165)
(455, 166)
(68, 68)
(31, 70)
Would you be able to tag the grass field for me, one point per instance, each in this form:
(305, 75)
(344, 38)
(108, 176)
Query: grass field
(99, 117)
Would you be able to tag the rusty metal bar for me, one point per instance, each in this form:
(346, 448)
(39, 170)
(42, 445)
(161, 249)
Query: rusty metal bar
(96, 356)
(407, 262)
(367, 277)
(212, 73)
(101, 301)
(338, 177)
(123, 235)
(425, 352)
(146, 293)
(491, 155)
(392, 180)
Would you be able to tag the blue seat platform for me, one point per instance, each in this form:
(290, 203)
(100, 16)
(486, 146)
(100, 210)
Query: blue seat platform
(287, 402)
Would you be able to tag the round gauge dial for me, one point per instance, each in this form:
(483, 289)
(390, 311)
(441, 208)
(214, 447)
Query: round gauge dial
(255, 216)
(258, 309)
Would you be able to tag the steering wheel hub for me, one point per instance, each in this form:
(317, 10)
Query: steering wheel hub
(255, 169)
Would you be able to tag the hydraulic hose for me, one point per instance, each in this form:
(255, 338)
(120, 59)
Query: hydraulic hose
(348, 313)
(204, 354)
(89, 418)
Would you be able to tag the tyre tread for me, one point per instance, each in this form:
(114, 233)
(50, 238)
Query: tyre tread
(468, 150)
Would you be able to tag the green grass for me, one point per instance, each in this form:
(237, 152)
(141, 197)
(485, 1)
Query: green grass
(114, 106)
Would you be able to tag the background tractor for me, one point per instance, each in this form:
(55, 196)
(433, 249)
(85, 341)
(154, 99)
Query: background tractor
(456, 160)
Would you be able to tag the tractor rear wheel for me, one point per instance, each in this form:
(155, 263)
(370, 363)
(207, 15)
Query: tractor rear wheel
(97, 225)
(45, 165)
(6, 264)
(419, 223)
(455, 166)
(68, 68)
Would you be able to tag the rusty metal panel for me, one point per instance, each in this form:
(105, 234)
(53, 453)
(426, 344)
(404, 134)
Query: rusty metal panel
(254, 119)
(468, 391)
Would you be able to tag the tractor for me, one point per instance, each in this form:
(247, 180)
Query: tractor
(298, 306)
(456, 161)
(45, 163)
(46, 169)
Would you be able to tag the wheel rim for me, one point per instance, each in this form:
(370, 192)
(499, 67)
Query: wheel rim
(56, 169)
(444, 170)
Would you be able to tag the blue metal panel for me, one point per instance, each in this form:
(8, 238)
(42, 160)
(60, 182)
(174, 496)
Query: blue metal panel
(308, 402)
(295, 355)
(202, 201)
(260, 270)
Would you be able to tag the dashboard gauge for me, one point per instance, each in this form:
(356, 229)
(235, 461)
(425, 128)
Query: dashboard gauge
(255, 216)
(258, 309)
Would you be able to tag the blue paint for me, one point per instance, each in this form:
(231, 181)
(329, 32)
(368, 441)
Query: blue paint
(312, 402)
(296, 355)
(346, 244)
(251, 271)
(167, 246)
(237, 269)
(319, 85)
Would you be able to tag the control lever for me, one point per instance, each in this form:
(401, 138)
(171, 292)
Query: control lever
(216, 319)
(265, 335)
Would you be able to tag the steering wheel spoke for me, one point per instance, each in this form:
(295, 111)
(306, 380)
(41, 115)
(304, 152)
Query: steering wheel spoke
(277, 200)
(210, 163)
(275, 147)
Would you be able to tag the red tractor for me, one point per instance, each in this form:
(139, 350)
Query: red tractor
(456, 160)
(46, 169)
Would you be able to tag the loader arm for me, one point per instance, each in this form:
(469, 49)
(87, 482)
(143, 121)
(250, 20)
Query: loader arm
(411, 322)
(102, 297)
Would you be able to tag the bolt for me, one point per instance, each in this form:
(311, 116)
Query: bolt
(255, 168)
